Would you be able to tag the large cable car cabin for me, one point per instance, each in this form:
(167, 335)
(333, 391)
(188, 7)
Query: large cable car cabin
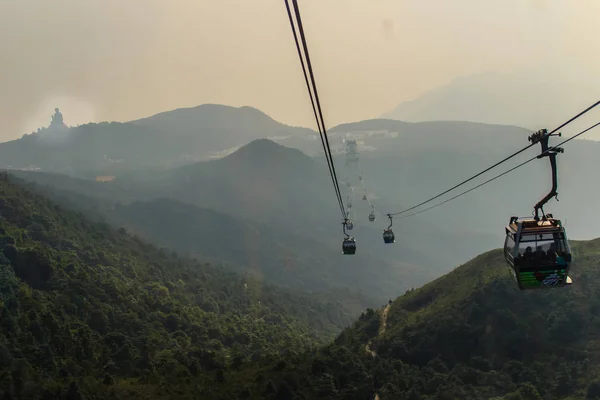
(536, 249)
(538, 253)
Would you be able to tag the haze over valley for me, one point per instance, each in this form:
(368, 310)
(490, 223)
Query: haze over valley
(170, 223)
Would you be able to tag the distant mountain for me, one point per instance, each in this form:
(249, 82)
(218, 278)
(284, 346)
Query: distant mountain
(526, 100)
(403, 164)
(262, 180)
(427, 158)
(164, 140)
(299, 259)
(470, 335)
(216, 127)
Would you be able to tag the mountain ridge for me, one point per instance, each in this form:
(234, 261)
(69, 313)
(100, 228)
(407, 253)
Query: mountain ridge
(215, 107)
(163, 140)
(521, 99)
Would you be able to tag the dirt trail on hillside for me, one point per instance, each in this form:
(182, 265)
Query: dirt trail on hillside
(382, 326)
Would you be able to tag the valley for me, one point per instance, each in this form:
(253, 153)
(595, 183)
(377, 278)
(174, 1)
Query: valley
(224, 278)
(234, 200)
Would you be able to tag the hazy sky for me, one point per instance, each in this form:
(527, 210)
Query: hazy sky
(125, 59)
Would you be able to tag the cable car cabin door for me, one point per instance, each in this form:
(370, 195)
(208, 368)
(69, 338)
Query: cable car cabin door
(509, 250)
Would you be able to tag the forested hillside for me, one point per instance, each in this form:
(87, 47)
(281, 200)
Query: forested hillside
(470, 335)
(85, 308)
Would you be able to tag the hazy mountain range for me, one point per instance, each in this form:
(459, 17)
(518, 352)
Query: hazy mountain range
(403, 164)
(523, 99)
(165, 140)
(103, 312)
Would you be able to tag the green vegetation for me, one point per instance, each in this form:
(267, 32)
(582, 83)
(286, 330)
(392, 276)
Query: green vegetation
(469, 335)
(90, 312)
(88, 309)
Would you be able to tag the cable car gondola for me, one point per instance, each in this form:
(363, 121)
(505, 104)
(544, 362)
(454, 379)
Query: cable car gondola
(388, 233)
(349, 246)
(388, 236)
(372, 216)
(538, 252)
(349, 225)
(364, 197)
(537, 249)
(349, 243)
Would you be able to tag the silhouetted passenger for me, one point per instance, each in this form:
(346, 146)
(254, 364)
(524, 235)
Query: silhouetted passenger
(540, 254)
(551, 255)
(528, 253)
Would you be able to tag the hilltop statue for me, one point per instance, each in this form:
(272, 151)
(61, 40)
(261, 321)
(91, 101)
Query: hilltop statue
(56, 130)
(57, 120)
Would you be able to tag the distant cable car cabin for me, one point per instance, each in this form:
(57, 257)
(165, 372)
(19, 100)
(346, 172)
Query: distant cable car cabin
(372, 216)
(349, 243)
(537, 249)
(349, 246)
(349, 225)
(364, 197)
(388, 236)
(388, 233)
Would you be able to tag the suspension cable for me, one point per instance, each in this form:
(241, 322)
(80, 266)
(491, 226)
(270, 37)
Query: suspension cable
(496, 164)
(320, 122)
(314, 85)
(500, 175)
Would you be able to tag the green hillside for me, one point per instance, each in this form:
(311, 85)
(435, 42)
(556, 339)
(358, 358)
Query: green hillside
(470, 335)
(94, 313)
(88, 309)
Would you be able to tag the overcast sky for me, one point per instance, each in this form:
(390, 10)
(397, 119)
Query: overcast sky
(125, 59)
